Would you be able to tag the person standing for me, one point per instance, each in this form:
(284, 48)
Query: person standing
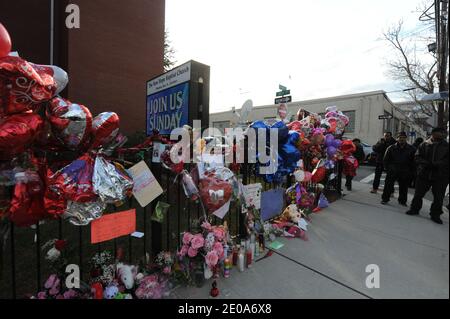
(398, 163)
(380, 150)
(360, 156)
(416, 145)
(432, 172)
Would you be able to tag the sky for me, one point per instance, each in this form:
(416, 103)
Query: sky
(316, 48)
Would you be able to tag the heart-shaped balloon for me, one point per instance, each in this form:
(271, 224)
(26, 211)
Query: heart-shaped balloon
(59, 75)
(71, 123)
(26, 87)
(331, 151)
(17, 132)
(5, 41)
(105, 128)
(214, 193)
(347, 147)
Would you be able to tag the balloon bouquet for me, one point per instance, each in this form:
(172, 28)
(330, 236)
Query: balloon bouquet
(37, 126)
(308, 148)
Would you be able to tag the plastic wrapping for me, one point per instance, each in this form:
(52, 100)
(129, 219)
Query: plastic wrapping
(81, 214)
(110, 183)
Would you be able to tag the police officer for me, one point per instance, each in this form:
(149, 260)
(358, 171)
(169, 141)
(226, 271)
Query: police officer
(432, 172)
(398, 163)
(380, 150)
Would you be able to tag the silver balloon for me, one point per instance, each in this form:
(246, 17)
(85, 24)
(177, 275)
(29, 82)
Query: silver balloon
(81, 214)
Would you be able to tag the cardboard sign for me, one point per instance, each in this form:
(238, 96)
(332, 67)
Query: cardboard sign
(146, 188)
(114, 225)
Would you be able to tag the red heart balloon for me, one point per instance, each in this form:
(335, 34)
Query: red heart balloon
(105, 128)
(214, 193)
(24, 88)
(318, 174)
(17, 132)
(5, 41)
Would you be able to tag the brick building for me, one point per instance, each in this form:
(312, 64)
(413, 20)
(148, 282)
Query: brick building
(118, 47)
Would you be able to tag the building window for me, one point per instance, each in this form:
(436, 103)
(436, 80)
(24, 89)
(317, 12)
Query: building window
(350, 128)
(222, 125)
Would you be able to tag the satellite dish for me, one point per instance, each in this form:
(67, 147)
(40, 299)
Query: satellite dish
(245, 110)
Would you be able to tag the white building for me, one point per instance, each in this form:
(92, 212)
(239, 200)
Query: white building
(363, 110)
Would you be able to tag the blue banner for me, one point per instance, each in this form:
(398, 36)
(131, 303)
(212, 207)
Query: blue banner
(168, 109)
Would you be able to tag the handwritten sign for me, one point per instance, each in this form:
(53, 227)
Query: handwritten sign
(146, 188)
(114, 225)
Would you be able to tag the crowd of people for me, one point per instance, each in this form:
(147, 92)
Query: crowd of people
(423, 165)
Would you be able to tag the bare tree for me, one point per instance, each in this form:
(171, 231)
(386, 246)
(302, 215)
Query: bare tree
(409, 66)
(169, 53)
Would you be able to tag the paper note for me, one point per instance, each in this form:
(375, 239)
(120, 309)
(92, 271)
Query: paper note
(114, 225)
(158, 149)
(222, 211)
(303, 224)
(146, 187)
(252, 195)
(209, 162)
(137, 234)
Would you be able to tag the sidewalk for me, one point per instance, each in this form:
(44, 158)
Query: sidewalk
(411, 251)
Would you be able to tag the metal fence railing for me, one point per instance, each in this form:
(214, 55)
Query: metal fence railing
(24, 267)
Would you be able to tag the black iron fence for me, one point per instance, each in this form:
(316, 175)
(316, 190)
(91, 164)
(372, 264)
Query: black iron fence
(24, 266)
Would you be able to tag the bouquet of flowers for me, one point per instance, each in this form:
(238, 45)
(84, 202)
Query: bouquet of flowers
(164, 261)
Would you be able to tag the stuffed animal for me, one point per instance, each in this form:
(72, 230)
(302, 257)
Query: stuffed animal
(126, 274)
(291, 214)
(111, 292)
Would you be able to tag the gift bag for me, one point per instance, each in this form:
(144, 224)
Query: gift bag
(272, 203)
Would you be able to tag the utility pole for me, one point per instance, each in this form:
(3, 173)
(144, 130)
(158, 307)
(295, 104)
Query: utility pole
(441, 20)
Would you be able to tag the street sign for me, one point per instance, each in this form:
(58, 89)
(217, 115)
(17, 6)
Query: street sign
(285, 99)
(284, 92)
(282, 88)
(385, 117)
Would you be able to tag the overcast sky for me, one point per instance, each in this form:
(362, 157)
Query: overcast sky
(317, 48)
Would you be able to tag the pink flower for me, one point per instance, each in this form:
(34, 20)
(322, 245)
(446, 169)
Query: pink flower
(70, 294)
(59, 297)
(218, 248)
(187, 237)
(51, 281)
(167, 270)
(197, 242)
(219, 233)
(211, 259)
(206, 226)
(192, 252)
(183, 251)
(42, 295)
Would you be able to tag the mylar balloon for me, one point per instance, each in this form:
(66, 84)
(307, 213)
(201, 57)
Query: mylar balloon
(105, 128)
(17, 132)
(59, 75)
(5, 41)
(71, 123)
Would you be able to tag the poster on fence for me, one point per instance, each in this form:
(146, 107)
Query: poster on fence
(146, 188)
(114, 225)
(252, 195)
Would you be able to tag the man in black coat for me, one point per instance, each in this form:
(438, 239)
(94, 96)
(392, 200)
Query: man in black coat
(398, 163)
(380, 150)
(432, 172)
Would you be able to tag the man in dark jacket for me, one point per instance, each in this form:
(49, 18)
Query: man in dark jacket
(360, 157)
(398, 163)
(432, 172)
(380, 150)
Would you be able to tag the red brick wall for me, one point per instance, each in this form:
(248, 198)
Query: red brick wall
(119, 46)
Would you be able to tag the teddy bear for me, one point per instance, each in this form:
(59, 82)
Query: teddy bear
(291, 214)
